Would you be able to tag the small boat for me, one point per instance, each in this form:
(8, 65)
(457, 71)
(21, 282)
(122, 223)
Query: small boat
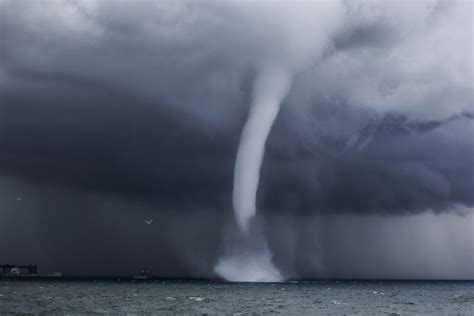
(144, 275)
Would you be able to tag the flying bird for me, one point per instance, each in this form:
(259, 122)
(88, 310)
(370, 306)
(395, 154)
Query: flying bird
(18, 198)
(149, 221)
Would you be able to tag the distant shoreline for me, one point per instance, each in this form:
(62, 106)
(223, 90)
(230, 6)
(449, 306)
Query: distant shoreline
(117, 278)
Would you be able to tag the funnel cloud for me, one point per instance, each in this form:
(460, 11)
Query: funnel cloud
(270, 88)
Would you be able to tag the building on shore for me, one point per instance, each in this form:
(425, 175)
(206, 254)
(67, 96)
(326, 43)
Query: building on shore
(18, 270)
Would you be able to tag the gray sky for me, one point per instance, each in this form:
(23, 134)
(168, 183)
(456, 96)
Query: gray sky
(116, 112)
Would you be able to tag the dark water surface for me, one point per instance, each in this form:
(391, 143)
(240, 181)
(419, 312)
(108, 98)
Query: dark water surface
(203, 297)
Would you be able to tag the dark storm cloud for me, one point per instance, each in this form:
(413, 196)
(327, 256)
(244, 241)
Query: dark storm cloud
(134, 153)
(159, 157)
(141, 105)
(389, 166)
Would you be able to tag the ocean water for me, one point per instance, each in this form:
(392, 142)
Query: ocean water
(214, 298)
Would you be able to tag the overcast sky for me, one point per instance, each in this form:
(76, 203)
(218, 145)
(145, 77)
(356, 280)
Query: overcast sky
(114, 112)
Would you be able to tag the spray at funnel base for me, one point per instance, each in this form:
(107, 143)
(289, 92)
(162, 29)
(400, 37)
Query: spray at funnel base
(249, 267)
(271, 86)
(247, 257)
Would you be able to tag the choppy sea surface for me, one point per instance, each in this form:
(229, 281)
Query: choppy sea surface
(211, 298)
